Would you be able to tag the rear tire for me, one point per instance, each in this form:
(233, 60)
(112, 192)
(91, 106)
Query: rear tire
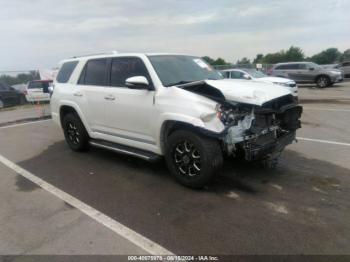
(193, 160)
(1, 104)
(75, 133)
(323, 81)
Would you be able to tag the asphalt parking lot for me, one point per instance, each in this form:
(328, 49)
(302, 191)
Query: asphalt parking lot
(301, 207)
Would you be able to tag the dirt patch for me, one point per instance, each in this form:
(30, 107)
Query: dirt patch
(24, 185)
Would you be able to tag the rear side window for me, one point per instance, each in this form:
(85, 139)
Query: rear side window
(94, 73)
(302, 66)
(287, 67)
(66, 71)
(125, 67)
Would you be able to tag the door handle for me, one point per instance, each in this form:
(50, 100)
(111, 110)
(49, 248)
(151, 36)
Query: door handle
(78, 94)
(109, 97)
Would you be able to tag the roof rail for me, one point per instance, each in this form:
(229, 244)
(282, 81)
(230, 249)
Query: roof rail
(108, 53)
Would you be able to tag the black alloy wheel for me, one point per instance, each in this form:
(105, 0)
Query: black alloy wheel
(187, 159)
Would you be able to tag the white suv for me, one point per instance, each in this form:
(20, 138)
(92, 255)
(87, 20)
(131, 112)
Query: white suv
(176, 106)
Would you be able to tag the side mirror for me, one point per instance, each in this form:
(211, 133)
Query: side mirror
(50, 89)
(137, 82)
(247, 77)
(311, 68)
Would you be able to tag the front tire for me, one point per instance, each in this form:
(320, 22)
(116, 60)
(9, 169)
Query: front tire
(323, 81)
(192, 159)
(75, 133)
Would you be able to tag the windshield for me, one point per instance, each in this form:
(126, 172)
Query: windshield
(180, 69)
(255, 73)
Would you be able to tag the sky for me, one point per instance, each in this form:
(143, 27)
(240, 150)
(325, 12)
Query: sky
(38, 34)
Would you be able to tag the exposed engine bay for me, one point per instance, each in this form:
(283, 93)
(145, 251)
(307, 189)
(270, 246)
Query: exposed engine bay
(254, 131)
(259, 132)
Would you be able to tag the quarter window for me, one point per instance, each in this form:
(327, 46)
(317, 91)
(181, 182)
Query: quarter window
(66, 71)
(125, 67)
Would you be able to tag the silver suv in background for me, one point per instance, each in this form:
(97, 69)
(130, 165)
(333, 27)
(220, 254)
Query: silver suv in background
(345, 67)
(307, 72)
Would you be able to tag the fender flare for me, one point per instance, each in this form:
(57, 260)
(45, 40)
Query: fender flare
(189, 122)
(77, 110)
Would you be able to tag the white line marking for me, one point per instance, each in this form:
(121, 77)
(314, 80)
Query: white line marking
(26, 123)
(323, 141)
(134, 237)
(326, 109)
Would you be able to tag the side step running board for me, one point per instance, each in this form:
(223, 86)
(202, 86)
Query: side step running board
(146, 155)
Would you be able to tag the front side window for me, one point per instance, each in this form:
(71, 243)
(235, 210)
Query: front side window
(236, 75)
(66, 71)
(124, 67)
(179, 69)
(255, 73)
(313, 65)
(95, 73)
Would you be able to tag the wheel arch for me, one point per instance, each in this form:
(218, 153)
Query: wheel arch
(65, 109)
(169, 126)
(320, 75)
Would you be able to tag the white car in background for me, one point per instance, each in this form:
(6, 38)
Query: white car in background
(38, 91)
(252, 74)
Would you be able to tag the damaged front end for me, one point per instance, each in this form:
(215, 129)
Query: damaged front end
(260, 132)
(260, 120)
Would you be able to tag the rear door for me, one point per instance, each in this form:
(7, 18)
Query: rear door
(292, 71)
(280, 71)
(300, 72)
(90, 93)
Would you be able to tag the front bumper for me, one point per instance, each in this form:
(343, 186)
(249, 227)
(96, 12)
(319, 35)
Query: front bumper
(257, 150)
(337, 79)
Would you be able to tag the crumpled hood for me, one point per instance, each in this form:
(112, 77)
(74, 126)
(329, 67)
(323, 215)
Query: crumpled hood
(275, 79)
(248, 92)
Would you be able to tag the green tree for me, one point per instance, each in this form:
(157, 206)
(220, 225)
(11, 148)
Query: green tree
(328, 56)
(258, 59)
(274, 58)
(208, 59)
(345, 56)
(20, 78)
(243, 61)
(294, 54)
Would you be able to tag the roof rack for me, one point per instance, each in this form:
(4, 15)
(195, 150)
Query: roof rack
(108, 53)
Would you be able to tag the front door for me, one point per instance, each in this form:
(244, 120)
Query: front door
(130, 112)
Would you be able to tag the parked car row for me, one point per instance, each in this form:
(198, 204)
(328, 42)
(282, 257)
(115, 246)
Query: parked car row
(33, 91)
(308, 72)
(9, 96)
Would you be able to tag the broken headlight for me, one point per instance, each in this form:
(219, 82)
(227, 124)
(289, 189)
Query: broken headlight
(230, 115)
